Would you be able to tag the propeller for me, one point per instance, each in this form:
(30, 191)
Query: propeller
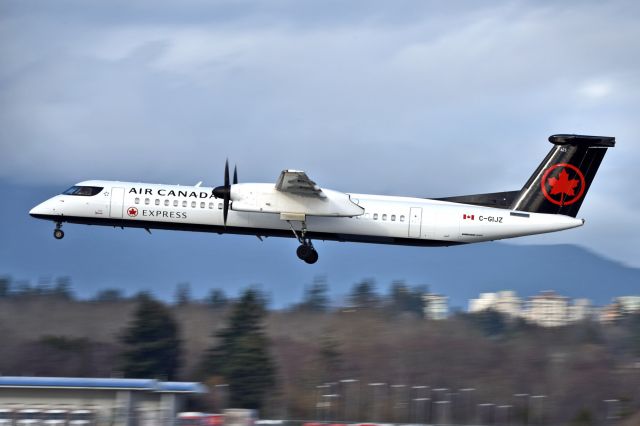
(224, 192)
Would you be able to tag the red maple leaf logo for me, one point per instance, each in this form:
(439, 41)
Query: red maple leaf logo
(570, 190)
(132, 212)
(563, 185)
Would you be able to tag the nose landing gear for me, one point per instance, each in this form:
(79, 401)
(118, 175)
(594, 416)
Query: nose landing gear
(58, 233)
(305, 250)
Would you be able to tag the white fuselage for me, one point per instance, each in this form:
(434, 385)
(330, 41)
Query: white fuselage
(381, 219)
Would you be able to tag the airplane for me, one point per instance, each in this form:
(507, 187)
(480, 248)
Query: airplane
(297, 207)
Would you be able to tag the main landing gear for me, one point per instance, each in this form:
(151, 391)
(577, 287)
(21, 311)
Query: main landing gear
(305, 251)
(58, 233)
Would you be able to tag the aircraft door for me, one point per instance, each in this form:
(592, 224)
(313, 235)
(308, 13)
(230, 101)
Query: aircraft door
(117, 203)
(415, 222)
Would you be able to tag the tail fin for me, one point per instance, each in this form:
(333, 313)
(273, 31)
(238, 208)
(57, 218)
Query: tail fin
(562, 180)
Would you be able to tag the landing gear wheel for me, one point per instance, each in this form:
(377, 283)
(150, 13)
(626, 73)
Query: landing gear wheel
(58, 234)
(307, 253)
(312, 258)
(303, 251)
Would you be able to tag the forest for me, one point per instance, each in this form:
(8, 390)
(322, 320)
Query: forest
(371, 357)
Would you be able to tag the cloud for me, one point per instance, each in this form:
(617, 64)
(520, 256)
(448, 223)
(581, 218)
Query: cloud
(596, 89)
(414, 98)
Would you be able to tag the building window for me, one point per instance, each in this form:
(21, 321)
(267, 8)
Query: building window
(384, 216)
(393, 217)
(402, 218)
(137, 200)
(375, 216)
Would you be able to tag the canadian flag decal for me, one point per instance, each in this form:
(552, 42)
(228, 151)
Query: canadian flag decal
(468, 216)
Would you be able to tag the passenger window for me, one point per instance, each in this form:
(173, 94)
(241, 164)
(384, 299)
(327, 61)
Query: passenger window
(184, 203)
(202, 205)
(175, 203)
(219, 206)
(375, 216)
(193, 204)
(147, 201)
(166, 203)
(211, 205)
(402, 218)
(384, 217)
(137, 200)
(393, 217)
(157, 201)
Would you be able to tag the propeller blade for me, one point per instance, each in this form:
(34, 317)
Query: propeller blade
(226, 173)
(225, 212)
(224, 192)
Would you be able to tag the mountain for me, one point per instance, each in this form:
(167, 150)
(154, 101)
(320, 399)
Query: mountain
(100, 257)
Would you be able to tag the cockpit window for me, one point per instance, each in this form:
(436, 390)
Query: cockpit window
(86, 191)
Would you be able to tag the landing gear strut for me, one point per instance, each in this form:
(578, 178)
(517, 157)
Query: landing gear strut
(58, 233)
(305, 250)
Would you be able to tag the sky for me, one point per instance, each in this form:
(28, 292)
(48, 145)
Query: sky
(419, 98)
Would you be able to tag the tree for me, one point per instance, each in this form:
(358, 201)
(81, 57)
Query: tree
(583, 418)
(364, 296)
(330, 357)
(109, 295)
(241, 355)
(62, 288)
(405, 299)
(23, 289)
(217, 299)
(183, 294)
(492, 323)
(152, 344)
(5, 287)
(315, 296)
(634, 327)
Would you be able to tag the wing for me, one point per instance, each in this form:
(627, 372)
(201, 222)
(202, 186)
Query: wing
(298, 183)
(293, 194)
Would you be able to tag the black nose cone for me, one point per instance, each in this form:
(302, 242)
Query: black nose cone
(221, 192)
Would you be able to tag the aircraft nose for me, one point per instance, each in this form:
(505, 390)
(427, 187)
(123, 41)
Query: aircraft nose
(43, 210)
(38, 210)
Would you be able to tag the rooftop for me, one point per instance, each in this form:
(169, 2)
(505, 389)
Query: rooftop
(148, 385)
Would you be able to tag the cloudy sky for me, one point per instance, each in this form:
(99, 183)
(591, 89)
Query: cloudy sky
(395, 97)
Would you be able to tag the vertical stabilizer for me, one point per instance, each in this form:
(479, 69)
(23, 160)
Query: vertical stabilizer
(562, 180)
